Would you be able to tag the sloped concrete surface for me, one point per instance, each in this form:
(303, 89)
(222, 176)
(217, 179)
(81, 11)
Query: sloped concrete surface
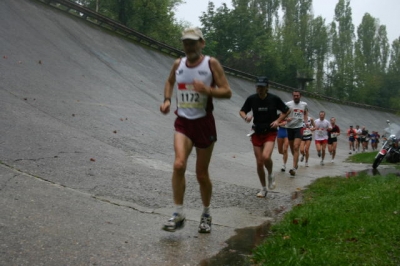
(86, 156)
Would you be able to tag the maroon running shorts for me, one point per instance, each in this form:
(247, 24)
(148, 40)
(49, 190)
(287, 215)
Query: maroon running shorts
(202, 131)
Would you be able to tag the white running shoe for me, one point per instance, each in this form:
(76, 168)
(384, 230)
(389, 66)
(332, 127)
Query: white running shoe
(283, 169)
(262, 193)
(322, 162)
(177, 221)
(205, 224)
(271, 182)
(332, 161)
(306, 164)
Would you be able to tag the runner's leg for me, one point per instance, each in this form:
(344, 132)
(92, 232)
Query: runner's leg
(203, 177)
(183, 146)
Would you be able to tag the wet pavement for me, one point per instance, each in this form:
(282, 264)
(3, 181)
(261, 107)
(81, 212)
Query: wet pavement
(86, 156)
(376, 172)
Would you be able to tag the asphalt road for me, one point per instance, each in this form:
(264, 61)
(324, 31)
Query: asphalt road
(86, 156)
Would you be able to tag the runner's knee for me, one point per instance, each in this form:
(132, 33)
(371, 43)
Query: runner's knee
(179, 166)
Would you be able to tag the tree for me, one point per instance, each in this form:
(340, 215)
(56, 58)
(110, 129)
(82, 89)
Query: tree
(371, 59)
(318, 52)
(216, 30)
(145, 16)
(238, 36)
(294, 48)
(341, 66)
(392, 80)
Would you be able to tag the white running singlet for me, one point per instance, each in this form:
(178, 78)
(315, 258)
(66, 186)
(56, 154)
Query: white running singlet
(297, 111)
(191, 104)
(321, 126)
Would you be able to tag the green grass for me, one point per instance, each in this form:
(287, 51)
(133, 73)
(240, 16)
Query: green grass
(354, 221)
(363, 157)
(368, 158)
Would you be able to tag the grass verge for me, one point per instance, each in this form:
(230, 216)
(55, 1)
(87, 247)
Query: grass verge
(364, 157)
(354, 221)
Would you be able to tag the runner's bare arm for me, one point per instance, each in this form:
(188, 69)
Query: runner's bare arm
(245, 116)
(224, 90)
(169, 88)
(305, 116)
(281, 117)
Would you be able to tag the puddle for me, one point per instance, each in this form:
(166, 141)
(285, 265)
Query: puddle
(240, 247)
(374, 172)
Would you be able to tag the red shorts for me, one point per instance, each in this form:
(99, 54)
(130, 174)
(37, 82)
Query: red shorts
(324, 141)
(202, 131)
(258, 140)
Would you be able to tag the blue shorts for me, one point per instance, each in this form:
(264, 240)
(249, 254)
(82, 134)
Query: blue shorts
(282, 133)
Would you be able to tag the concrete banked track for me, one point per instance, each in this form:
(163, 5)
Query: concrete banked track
(86, 156)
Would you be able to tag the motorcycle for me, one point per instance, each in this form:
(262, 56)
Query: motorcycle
(390, 147)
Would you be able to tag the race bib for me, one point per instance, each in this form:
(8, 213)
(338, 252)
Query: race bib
(188, 98)
(320, 133)
(297, 113)
(306, 132)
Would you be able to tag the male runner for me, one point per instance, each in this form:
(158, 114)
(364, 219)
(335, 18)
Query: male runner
(265, 107)
(322, 126)
(298, 116)
(199, 79)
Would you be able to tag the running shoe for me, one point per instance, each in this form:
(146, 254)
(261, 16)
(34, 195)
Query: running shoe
(350, 152)
(205, 224)
(319, 153)
(306, 164)
(332, 161)
(271, 182)
(283, 169)
(322, 162)
(177, 221)
(302, 158)
(262, 193)
(292, 171)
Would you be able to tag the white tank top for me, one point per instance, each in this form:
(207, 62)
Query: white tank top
(191, 104)
(297, 114)
(321, 126)
(307, 128)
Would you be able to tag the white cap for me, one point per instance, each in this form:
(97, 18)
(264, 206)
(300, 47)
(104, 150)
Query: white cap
(192, 34)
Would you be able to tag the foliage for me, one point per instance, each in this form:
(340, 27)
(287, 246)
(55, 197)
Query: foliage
(155, 18)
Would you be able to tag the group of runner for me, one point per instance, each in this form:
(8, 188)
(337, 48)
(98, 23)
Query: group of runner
(360, 138)
(295, 131)
(325, 134)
